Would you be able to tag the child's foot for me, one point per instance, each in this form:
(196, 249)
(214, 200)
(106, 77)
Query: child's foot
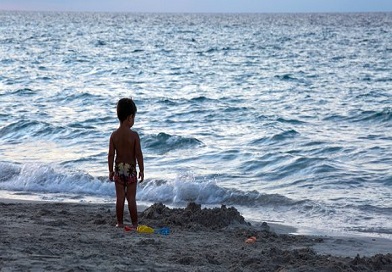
(128, 228)
(119, 225)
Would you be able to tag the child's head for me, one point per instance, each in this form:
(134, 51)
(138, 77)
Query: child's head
(125, 107)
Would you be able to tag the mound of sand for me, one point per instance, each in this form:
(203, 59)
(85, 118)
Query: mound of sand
(193, 216)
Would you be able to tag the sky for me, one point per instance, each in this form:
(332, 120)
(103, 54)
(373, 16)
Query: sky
(207, 6)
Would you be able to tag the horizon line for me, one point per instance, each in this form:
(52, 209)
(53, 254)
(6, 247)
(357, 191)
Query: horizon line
(195, 12)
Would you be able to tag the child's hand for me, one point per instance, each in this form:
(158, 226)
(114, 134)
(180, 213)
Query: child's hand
(141, 176)
(111, 175)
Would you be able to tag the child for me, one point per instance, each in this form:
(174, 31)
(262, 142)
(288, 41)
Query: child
(125, 146)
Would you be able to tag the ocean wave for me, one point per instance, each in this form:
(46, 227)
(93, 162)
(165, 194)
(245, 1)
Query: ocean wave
(24, 128)
(41, 178)
(382, 116)
(167, 102)
(24, 92)
(276, 138)
(285, 135)
(44, 178)
(84, 98)
(194, 100)
(8, 171)
(184, 189)
(10, 129)
(379, 116)
(290, 121)
(202, 98)
(286, 77)
(163, 143)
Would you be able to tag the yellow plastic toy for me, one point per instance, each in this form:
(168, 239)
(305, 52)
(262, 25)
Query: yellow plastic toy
(144, 229)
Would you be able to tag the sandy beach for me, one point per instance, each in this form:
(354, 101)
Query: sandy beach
(43, 236)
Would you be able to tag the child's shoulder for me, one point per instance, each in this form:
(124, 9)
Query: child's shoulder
(134, 133)
(114, 132)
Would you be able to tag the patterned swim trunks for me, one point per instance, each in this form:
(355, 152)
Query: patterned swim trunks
(125, 173)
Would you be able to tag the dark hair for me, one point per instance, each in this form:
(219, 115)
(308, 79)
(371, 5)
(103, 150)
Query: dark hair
(125, 108)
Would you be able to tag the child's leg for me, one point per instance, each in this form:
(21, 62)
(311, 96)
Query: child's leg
(131, 198)
(120, 195)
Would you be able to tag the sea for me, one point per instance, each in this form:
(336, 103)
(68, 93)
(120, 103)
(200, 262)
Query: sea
(286, 117)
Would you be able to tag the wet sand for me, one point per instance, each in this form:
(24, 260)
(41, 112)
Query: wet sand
(44, 236)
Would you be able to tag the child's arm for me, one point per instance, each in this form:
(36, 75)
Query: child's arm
(139, 158)
(111, 158)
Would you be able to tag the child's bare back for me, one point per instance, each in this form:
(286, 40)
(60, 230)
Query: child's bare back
(125, 141)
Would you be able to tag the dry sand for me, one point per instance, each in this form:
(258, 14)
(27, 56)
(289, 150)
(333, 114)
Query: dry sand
(82, 237)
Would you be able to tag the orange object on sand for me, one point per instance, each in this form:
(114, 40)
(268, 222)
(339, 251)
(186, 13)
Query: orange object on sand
(251, 240)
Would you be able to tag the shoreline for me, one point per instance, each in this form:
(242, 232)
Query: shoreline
(82, 236)
(279, 228)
